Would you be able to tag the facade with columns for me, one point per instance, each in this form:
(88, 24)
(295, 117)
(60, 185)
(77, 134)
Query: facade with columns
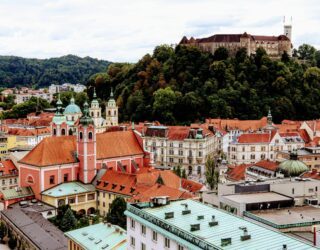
(78, 156)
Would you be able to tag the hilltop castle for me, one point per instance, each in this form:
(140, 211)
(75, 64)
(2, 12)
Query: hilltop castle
(275, 46)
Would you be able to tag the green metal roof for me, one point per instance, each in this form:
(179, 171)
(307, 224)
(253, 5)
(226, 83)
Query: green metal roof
(14, 193)
(178, 228)
(98, 236)
(293, 167)
(69, 188)
(72, 108)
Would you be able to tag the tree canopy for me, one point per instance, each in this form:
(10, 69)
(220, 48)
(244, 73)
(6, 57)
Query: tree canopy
(18, 71)
(184, 84)
(116, 213)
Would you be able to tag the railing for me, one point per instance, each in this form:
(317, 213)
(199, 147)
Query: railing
(197, 241)
(277, 226)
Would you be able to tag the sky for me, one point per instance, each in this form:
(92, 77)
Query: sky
(125, 30)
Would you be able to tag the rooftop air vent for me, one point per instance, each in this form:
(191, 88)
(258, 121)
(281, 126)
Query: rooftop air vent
(213, 222)
(84, 233)
(105, 246)
(98, 241)
(186, 210)
(245, 235)
(91, 238)
(200, 217)
(194, 227)
(284, 247)
(169, 215)
(225, 242)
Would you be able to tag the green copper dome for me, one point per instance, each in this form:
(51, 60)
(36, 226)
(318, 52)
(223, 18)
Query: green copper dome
(72, 108)
(293, 167)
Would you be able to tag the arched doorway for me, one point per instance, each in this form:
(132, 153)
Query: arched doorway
(91, 210)
(81, 212)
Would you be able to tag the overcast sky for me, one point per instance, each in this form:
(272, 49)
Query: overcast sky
(125, 30)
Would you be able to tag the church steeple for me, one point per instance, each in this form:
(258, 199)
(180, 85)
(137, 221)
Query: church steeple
(269, 118)
(111, 111)
(86, 119)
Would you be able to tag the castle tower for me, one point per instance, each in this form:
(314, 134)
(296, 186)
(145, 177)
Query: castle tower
(287, 29)
(59, 126)
(86, 147)
(95, 110)
(111, 111)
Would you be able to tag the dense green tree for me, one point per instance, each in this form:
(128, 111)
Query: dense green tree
(164, 103)
(306, 52)
(18, 71)
(116, 212)
(22, 109)
(184, 84)
(212, 173)
(3, 231)
(68, 221)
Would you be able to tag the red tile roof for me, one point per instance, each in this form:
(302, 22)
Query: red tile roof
(52, 151)
(61, 150)
(160, 190)
(237, 173)
(266, 164)
(255, 138)
(29, 132)
(235, 124)
(8, 168)
(311, 174)
(117, 144)
(191, 186)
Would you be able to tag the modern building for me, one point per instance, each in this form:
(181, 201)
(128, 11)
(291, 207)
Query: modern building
(188, 224)
(97, 237)
(275, 46)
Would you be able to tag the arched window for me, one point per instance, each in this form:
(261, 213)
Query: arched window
(30, 179)
(70, 131)
(80, 135)
(98, 114)
(90, 135)
(109, 112)
(92, 114)
(115, 112)
(54, 131)
(72, 118)
(63, 131)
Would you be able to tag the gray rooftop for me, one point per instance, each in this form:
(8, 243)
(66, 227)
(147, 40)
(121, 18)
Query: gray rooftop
(257, 197)
(37, 229)
(178, 227)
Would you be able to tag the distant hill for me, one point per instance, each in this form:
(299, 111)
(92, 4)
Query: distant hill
(19, 71)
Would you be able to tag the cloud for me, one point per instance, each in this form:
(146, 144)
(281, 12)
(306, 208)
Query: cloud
(125, 30)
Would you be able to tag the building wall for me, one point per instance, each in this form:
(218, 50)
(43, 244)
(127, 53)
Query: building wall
(191, 154)
(105, 199)
(81, 201)
(146, 239)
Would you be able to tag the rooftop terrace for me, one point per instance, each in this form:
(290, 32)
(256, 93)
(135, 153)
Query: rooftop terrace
(99, 236)
(198, 226)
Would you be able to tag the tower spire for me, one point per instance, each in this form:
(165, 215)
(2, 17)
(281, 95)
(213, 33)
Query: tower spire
(94, 93)
(111, 93)
(269, 117)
